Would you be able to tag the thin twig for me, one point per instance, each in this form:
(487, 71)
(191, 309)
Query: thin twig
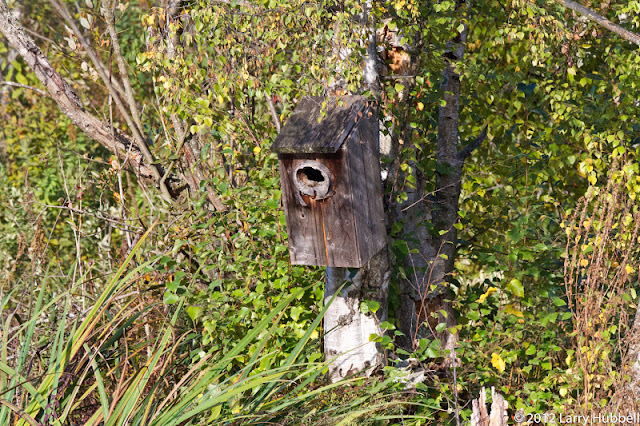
(24, 86)
(274, 113)
(40, 36)
(97, 216)
(107, 7)
(107, 79)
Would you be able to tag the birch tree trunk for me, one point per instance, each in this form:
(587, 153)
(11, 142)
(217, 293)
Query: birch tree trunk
(347, 328)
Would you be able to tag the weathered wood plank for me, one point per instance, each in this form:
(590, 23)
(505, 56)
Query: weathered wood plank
(316, 129)
(323, 232)
(358, 180)
(376, 227)
(301, 228)
(340, 230)
(344, 226)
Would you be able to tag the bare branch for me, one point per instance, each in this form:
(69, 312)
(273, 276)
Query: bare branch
(274, 113)
(68, 101)
(113, 86)
(40, 36)
(107, 7)
(601, 20)
(467, 150)
(140, 142)
(24, 86)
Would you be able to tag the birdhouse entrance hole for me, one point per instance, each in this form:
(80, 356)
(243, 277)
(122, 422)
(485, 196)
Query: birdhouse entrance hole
(310, 174)
(312, 178)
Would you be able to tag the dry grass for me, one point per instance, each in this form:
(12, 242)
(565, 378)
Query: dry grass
(600, 272)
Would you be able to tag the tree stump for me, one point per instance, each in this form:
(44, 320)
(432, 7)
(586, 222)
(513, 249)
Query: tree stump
(497, 416)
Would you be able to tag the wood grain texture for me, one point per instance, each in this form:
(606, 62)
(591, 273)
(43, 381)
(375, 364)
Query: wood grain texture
(373, 228)
(319, 125)
(321, 233)
(347, 228)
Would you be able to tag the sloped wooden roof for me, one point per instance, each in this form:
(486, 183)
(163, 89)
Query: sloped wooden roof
(319, 124)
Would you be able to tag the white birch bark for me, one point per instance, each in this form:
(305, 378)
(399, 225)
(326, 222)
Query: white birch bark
(348, 330)
(347, 342)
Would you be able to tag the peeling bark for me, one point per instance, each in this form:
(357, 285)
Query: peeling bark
(347, 328)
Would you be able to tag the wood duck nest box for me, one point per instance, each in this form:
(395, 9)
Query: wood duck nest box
(331, 187)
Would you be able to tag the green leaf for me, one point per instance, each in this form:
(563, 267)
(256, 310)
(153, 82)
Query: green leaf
(194, 312)
(21, 79)
(170, 298)
(516, 287)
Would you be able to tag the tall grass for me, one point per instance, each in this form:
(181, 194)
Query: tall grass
(94, 369)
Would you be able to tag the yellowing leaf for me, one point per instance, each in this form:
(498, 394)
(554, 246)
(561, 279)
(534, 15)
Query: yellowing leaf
(257, 150)
(513, 311)
(628, 269)
(516, 288)
(420, 106)
(497, 362)
(584, 263)
(489, 292)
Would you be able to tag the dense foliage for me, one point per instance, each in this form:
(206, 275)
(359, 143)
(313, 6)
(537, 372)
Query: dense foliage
(119, 306)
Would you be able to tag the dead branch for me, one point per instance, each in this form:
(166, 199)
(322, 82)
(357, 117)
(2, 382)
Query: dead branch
(467, 150)
(601, 20)
(107, 8)
(274, 113)
(69, 102)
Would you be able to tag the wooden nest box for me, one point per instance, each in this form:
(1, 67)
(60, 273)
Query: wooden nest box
(331, 186)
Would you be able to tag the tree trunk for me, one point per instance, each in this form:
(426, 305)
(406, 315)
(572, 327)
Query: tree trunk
(347, 328)
(426, 294)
